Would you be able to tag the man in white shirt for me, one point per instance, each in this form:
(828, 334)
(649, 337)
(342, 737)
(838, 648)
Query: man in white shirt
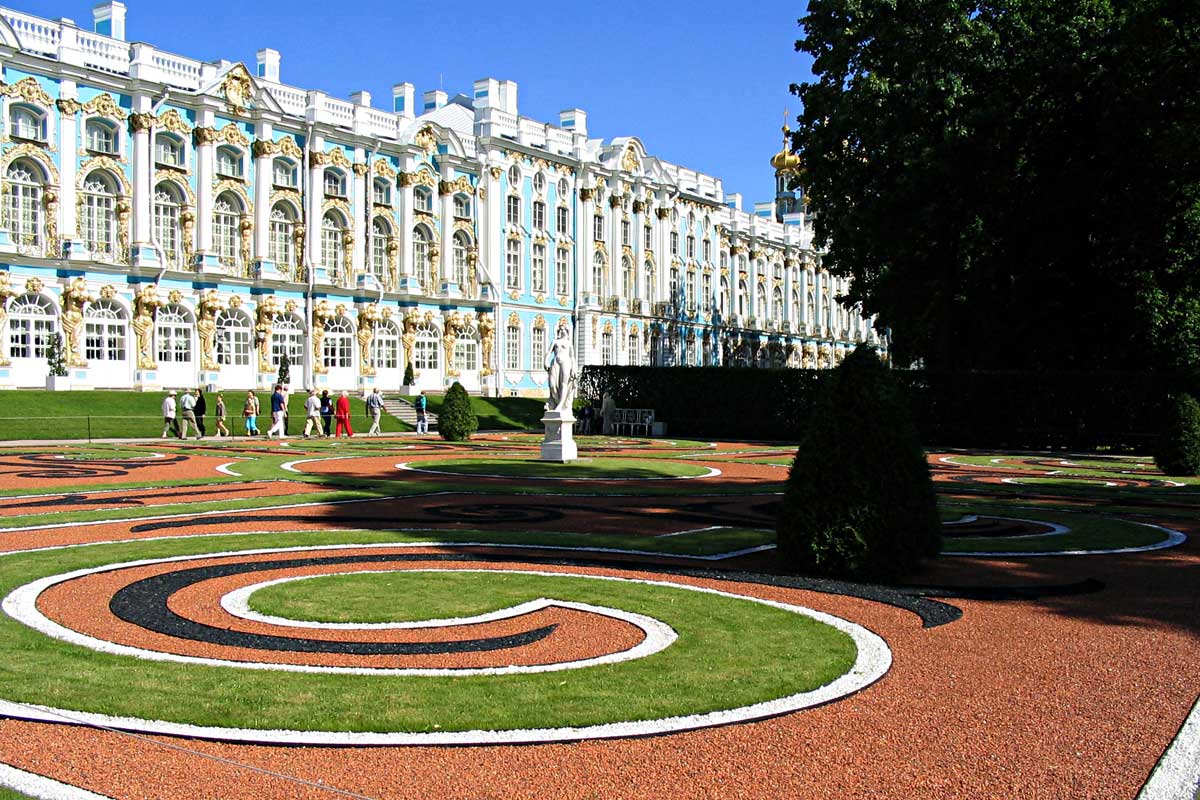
(168, 409)
(375, 410)
(312, 410)
(187, 407)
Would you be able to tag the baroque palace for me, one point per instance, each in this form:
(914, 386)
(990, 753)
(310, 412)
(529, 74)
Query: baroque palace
(181, 223)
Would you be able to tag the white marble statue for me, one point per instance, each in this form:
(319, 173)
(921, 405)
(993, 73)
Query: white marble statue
(560, 364)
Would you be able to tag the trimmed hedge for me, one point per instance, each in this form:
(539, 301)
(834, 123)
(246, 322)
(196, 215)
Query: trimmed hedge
(859, 502)
(1178, 450)
(456, 420)
(1014, 410)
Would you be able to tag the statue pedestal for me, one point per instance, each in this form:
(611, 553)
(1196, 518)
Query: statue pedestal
(559, 442)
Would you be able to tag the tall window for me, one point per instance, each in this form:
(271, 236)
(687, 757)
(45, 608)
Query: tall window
(690, 285)
(283, 173)
(539, 215)
(466, 351)
(26, 123)
(334, 183)
(674, 287)
(167, 203)
(777, 304)
(233, 338)
(31, 323)
(606, 348)
(691, 247)
(173, 335)
(101, 136)
(97, 219)
(104, 331)
(598, 273)
(421, 240)
(633, 355)
(648, 278)
(706, 291)
(333, 250)
(287, 336)
(462, 246)
(281, 242)
(562, 270)
(512, 264)
(512, 347)
(462, 206)
(760, 310)
(381, 192)
(537, 279)
(648, 235)
(226, 217)
(723, 300)
(598, 227)
(381, 234)
(743, 294)
(562, 218)
(674, 243)
(513, 210)
(385, 347)
(627, 278)
(425, 349)
(229, 162)
(538, 342)
(707, 251)
(626, 233)
(337, 349)
(23, 203)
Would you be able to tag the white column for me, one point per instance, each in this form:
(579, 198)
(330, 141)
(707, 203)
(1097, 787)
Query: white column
(447, 215)
(68, 158)
(316, 192)
(360, 211)
(639, 256)
(788, 286)
(204, 181)
(143, 169)
(406, 228)
(262, 194)
(585, 245)
(803, 293)
(491, 239)
(819, 320)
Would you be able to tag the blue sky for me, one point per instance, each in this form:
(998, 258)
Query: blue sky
(704, 84)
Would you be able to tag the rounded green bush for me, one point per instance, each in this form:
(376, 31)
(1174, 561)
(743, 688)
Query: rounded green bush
(456, 420)
(859, 502)
(1178, 449)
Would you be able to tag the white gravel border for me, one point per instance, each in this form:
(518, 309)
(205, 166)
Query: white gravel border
(1174, 539)
(408, 466)
(873, 660)
(1177, 774)
(43, 788)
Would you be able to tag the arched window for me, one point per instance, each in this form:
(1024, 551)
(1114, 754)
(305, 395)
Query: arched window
(795, 308)
(512, 264)
(777, 304)
(281, 240)
(462, 206)
(381, 234)
(97, 218)
(335, 183)
(104, 331)
(337, 349)
(173, 334)
(425, 348)
(723, 300)
(32, 320)
(168, 150)
(23, 202)
(760, 310)
(333, 246)
(284, 173)
(562, 270)
(648, 278)
(233, 338)
(627, 278)
(227, 215)
(287, 336)
(742, 298)
(466, 350)
(385, 347)
(101, 136)
(421, 239)
(423, 199)
(168, 202)
(810, 309)
(462, 246)
(229, 162)
(598, 273)
(512, 347)
(381, 192)
(26, 122)
(537, 268)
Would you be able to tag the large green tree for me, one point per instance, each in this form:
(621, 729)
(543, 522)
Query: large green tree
(1011, 183)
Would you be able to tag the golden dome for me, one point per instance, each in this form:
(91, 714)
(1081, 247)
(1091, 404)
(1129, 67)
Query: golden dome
(785, 160)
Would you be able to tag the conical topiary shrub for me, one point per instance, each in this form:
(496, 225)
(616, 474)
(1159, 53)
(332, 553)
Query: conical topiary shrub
(284, 377)
(409, 380)
(456, 420)
(859, 501)
(1178, 449)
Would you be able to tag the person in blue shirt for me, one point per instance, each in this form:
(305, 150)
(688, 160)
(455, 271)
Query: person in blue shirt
(277, 409)
(422, 420)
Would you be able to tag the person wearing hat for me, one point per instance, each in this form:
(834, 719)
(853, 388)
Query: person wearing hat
(168, 411)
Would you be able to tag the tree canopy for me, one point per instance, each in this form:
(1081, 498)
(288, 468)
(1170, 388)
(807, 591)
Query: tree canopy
(1010, 183)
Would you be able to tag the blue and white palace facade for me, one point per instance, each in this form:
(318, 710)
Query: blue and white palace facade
(181, 222)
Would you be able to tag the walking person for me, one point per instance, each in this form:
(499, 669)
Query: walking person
(342, 414)
(374, 411)
(327, 411)
(250, 412)
(312, 408)
(277, 407)
(422, 405)
(287, 396)
(221, 429)
(187, 409)
(200, 410)
(170, 423)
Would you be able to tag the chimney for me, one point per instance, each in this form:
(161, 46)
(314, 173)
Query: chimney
(433, 100)
(573, 120)
(361, 98)
(268, 64)
(109, 19)
(487, 93)
(508, 97)
(402, 99)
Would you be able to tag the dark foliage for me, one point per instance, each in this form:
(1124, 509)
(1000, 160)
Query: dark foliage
(285, 370)
(409, 380)
(456, 420)
(1178, 450)
(859, 501)
(55, 357)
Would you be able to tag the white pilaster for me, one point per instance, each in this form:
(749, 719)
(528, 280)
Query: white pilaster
(68, 143)
(143, 169)
(262, 197)
(360, 211)
(204, 187)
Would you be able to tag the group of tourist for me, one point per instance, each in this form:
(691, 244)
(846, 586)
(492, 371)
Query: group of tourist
(189, 412)
(321, 411)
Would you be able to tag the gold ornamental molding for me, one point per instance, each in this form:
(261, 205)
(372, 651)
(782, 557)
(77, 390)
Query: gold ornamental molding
(288, 196)
(228, 185)
(361, 169)
(27, 89)
(140, 123)
(109, 165)
(171, 120)
(426, 139)
(237, 88)
(383, 168)
(105, 106)
(174, 178)
(630, 162)
(460, 184)
(68, 106)
(33, 152)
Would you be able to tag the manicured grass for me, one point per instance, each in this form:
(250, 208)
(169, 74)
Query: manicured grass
(730, 652)
(1087, 532)
(37, 414)
(9, 794)
(615, 468)
(501, 413)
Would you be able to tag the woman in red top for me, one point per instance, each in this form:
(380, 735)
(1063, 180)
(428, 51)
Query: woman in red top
(341, 413)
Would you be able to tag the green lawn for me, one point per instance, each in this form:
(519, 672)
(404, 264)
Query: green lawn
(1087, 532)
(109, 414)
(9, 794)
(594, 468)
(501, 413)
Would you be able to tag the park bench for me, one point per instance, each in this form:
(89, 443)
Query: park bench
(635, 422)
